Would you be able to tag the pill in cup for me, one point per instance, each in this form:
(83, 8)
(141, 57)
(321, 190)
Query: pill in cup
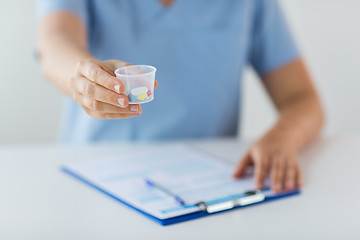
(139, 81)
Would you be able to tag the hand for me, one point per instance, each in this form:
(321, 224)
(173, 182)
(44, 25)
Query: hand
(97, 90)
(275, 156)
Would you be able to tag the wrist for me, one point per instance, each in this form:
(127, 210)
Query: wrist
(288, 134)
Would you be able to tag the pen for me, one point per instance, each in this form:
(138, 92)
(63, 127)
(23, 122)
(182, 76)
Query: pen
(161, 188)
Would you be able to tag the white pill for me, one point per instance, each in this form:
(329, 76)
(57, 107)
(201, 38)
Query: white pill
(138, 91)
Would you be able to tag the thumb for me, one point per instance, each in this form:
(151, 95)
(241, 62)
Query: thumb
(242, 166)
(111, 65)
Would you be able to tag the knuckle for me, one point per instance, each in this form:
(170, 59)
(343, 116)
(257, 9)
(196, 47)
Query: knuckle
(94, 105)
(94, 114)
(78, 65)
(275, 174)
(82, 63)
(89, 89)
(73, 80)
(109, 82)
(75, 97)
(88, 111)
(94, 73)
(265, 164)
(98, 116)
(108, 96)
(108, 116)
(277, 163)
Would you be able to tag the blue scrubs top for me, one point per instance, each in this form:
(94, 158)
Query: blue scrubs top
(200, 49)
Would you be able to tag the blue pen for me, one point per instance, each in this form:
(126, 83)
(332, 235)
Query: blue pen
(155, 185)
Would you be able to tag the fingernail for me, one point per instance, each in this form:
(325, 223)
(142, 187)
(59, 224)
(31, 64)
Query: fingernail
(117, 88)
(134, 108)
(278, 187)
(121, 101)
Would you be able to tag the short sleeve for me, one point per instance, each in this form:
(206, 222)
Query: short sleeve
(272, 44)
(77, 7)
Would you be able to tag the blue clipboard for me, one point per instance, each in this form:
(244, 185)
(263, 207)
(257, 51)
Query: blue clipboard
(181, 218)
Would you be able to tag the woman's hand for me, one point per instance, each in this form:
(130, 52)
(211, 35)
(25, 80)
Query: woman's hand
(97, 90)
(300, 119)
(275, 156)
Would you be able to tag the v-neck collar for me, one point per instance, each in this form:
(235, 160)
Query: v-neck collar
(169, 7)
(154, 14)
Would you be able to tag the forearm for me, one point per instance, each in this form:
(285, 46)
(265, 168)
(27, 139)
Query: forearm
(300, 121)
(300, 112)
(58, 57)
(60, 48)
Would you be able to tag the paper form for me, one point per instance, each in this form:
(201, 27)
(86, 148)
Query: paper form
(192, 174)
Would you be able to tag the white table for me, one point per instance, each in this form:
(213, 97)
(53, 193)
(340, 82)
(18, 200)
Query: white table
(38, 201)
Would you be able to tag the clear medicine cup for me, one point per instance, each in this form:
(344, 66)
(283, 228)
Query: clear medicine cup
(139, 82)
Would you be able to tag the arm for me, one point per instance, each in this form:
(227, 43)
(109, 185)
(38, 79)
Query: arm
(62, 42)
(300, 120)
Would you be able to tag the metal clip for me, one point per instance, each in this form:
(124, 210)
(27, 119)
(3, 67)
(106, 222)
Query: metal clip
(250, 197)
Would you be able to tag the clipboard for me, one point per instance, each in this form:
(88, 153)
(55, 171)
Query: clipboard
(90, 172)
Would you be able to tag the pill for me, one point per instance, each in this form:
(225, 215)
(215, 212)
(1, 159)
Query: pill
(139, 91)
(148, 92)
(142, 96)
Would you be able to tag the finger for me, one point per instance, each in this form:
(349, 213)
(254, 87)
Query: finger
(96, 92)
(261, 172)
(299, 178)
(277, 174)
(242, 166)
(290, 175)
(102, 107)
(101, 115)
(94, 72)
(111, 65)
(261, 169)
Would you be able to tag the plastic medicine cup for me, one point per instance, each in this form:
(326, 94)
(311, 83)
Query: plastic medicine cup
(139, 81)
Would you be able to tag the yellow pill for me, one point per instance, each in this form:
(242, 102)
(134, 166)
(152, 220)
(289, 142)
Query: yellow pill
(142, 96)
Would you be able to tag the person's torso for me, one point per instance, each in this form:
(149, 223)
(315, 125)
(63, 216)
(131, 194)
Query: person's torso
(200, 49)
